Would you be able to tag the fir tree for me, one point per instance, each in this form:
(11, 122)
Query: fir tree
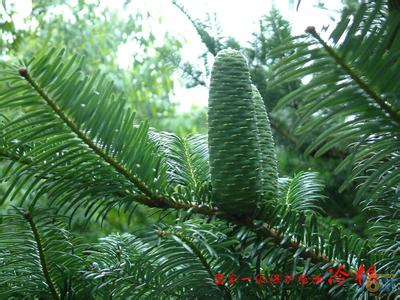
(71, 147)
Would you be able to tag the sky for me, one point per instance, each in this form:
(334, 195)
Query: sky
(238, 18)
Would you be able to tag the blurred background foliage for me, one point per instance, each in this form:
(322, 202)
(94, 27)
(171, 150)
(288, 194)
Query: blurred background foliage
(147, 80)
(99, 32)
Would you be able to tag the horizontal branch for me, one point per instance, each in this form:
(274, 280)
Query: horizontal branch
(160, 203)
(264, 230)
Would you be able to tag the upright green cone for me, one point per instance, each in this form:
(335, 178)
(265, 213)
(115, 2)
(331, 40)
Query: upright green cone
(232, 136)
(269, 168)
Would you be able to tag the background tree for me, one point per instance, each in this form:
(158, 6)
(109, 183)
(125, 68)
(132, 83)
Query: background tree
(89, 28)
(70, 145)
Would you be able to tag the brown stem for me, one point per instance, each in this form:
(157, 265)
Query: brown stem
(118, 167)
(264, 230)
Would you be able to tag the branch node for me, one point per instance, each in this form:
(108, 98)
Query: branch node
(311, 30)
(23, 72)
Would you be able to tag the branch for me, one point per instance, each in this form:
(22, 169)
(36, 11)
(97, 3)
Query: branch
(199, 255)
(148, 199)
(118, 167)
(263, 230)
(284, 131)
(161, 202)
(210, 42)
(27, 215)
(281, 129)
(395, 116)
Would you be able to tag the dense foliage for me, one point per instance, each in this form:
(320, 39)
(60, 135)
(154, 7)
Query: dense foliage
(72, 151)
